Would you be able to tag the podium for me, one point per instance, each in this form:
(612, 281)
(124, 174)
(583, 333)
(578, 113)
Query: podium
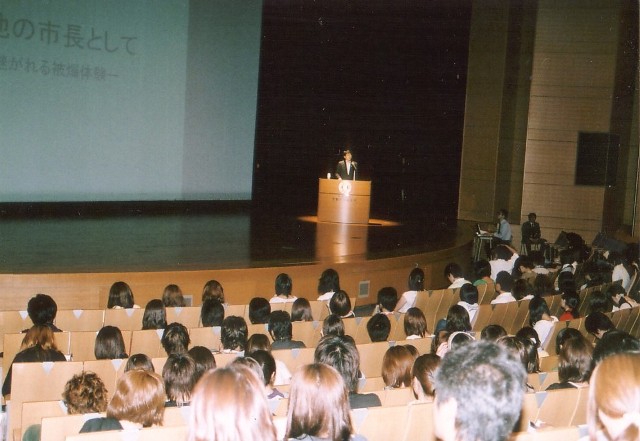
(343, 201)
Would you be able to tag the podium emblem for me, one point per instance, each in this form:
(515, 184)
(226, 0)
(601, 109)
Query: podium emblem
(344, 187)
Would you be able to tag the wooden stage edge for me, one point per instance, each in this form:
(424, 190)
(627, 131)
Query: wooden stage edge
(360, 277)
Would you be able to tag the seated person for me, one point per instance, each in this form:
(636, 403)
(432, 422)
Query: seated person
(42, 310)
(211, 313)
(482, 272)
(569, 304)
(328, 284)
(213, 290)
(415, 324)
(422, 374)
(301, 310)
(172, 297)
(619, 299)
(269, 369)
(454, 274)
(260, 342)
(139, 361)
(492, 333)
(332, 325)
(598, 324)
(416, 284)
(387, 300)
(179, 375)
(503, 258)
(281, 331)
(396, 367)
(175, 339)
(342, 354)
(259, 310)
(379, 328)
(203, 359)
(155, 315)
(234, 334)
(121, 297)
(574, 364)
(530, 232)
(541, 319)
(340, 304)
(469, 299)
(504, 285)
(109, 344)
(283, 288)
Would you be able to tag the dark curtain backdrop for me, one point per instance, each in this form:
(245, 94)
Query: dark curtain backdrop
(385, 78)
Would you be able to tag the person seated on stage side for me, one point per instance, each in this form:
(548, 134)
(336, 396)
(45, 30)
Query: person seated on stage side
(543, 286)
(619, 299)
(415, 284)
(38, 345)
(301, 310)
(482, 272)
(340, 304)
(415, 324)
(422, 373)
(614, 342)
(260, 342)
(213, 290)
(139, 361)
(172, 296)
(492, 333)
(598, 324)
(138, 402)
(347, 168)
(502, 235)
(379, 328)
(332, 325)
(259, 310)
(522, 290)
(281, 331)
(204, 360)
(179, 375)
(42, 310)
(620, 270)
(396, 367)
(613, 408)
(537, 257)
(569, 303)
(283, 288)
(84, 393)
(574, 364)
(342, 354)
(504, 286)
(175, 339)
(530, 232)
(541, 319)
(229, 404)
(328, 284)
(503, 258)
(477, 383)
(318, 406)
(211, 313)
(469, 299)
(387, 300)
(155, 315)
(121, 297)
(454, 274)
(109, 344)
(269, 369)
(234, 335)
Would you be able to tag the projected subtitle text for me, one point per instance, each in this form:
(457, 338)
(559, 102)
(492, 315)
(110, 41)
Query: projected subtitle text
(49, 68)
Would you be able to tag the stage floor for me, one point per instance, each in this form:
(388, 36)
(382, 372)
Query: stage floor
(206, 241)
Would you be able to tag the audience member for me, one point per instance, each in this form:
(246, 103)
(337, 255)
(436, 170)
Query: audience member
(522, 290)
(281, 331)
(260, 342)
(179, 375)
(213, 290)
(504, 285)
(259, 310)
(503, 258)
(301, 310)
(613, 411)
(565, 334)
(569, 304)
(387, 300)
(342, 354)
(454, 274)
(229, 404)
(234, 334)
(155, 315)
(203, 359)
(379, 328)
(250, 363)
(415, 284)
(543, 286)
(517, 347)
(211, 313)
(109, 344)
(340, 304)
(422, 374)
(482, 272)
(121, 297)
(537, 257)
(172, 296)
(269, 370)
(139, 361)
(332, 325)
(175, 339)
(598, 324)
(458, 320)
(599, 302)
(617, 295)
(614, 342)
(574, 364)
(283, 288)
(396, 367)
(328, 284)
(492, 333)
(620, 271)
(415, 324)
(138, 402)
(541, 319)
(42, 310)
(469, 299)
(38, 345)
(479, 392)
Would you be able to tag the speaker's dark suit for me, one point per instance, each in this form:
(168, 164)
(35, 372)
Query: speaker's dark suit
(341, 170)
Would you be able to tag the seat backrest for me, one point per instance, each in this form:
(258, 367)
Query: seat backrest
(187, 315)
(558, 407)
(83, 344)
(34, 411)
(294, 358)
(125, 319)
(80, 319)
(419, 422)
(374, 423)
(307, 332)
(108, 370)
(147, 342)
(58, 428)
(208, 337)
(161, 433)
(371, 355)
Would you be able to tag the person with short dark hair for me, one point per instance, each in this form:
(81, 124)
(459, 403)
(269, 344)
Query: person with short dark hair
(379, 328)
(155, 315)
(492, 333)
(179, 375)
(172, 296)
(281, 331)
(620, 271)
(333, 325)
(203, 359)
(504, 285)
(269, 369)
(569, 303)
(454, 274)
(346, 168)
(340, 304)
(175, 339)
(301, 310)
(283, 288)
(259, 310)
(530, 232)
(415, 284)
(482, 272)
(139, 361)
(541, 319)
(503, 258)
(614, 342)
(574, 364)
(502, 235)
(109, 344)
(480, 387)
(469, 299)
(234, 334)
(599, 302)
(619, 299)
(211, 313)
(42, 310)
(387, 300)
(342, 354)
(598, 324)
(328, 284)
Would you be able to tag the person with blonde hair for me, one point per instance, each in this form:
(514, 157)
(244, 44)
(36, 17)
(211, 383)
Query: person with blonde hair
(319, 406)
(138, 402)
(613, 411)
(38, 345)
(229, 404)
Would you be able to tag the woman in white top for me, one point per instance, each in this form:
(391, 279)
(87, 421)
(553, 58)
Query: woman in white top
(328, 284)
(408, 299)
(283, 287)
(541, 319)
(619, 270)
